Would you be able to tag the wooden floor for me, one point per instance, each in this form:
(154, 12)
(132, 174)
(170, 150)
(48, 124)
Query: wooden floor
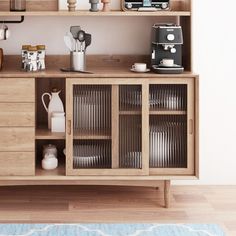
(189, 204)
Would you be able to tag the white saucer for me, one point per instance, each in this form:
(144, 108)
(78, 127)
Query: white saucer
(174, 65)
(145, 71)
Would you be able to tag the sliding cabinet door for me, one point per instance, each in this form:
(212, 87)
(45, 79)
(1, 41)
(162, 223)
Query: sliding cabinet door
(105, 127)
(171, 127)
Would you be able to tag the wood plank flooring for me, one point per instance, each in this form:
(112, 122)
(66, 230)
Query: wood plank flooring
(90, 204)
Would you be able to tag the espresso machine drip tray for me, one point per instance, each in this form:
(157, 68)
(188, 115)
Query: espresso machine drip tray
(176, 69)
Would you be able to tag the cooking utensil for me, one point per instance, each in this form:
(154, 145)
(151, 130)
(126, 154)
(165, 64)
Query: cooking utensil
(81, 38)
(88, 40)
(74, 31)
(68, 43)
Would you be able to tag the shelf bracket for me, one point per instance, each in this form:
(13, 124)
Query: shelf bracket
(13, 21)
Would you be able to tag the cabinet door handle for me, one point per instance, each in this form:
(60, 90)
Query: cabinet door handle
(69, 127)
(191, 128)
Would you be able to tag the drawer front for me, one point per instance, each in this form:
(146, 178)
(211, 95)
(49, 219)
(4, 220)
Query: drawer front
(17, 139)
(17, 163)
(17, 114)
(17, 90)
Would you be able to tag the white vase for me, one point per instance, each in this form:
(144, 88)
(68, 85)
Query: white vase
(55, 105)
(49, 162)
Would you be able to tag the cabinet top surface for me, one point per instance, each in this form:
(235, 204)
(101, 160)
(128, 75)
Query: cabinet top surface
(100, 66)
(96, 73)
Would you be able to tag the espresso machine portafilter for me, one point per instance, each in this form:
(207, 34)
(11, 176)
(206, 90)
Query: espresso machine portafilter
(167, 41)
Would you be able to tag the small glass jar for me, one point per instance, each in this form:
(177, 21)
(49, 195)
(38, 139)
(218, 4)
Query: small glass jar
(18, 5)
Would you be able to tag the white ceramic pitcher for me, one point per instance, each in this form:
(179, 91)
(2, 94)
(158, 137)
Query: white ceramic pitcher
(55, 104)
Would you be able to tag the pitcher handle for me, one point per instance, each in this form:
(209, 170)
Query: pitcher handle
(50, 97)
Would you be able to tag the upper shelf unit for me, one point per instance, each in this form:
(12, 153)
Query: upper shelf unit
(50, 8)
(100, 13)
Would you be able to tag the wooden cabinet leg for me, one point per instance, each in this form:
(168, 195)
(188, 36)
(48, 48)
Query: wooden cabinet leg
(167, 193)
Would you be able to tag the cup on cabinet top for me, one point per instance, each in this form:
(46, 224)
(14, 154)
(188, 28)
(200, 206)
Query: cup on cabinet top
(140, 67)
(167, 62)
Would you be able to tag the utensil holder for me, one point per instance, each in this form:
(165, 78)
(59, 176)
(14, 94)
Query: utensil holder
(78, 61)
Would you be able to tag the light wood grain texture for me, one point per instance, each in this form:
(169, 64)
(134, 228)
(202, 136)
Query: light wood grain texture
(48, 12)
(191, 128)
(167, 193)
(115, 126)
(196, 136)
(167, 112)
(126, 113)
(44, 133)
(15, 90)
(145, 128)
(103, 135)
(103, 66)
(17, 139)
(108, 204)
(17, 163)
(17, 114)
(69, 127)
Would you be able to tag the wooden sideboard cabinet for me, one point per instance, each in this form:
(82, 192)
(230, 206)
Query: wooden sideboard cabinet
(119, 131)
(122, 128)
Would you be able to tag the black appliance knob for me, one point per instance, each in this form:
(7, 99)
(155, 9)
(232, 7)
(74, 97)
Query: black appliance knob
(164, 5)
(128, 5)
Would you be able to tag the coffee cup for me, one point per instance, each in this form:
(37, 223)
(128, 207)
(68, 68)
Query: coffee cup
(140, 67)
(167, 62)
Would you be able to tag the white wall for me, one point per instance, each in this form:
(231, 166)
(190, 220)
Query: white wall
(214, 60)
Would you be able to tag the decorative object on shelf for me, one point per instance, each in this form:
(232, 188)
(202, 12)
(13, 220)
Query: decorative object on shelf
(77, 52)
(4, 32)
(24, 56)
(41, 57)
(55, 104)
(33, 57)
(17, 5)
(94, 5)
(167, 41)
(106, 5)
(1, 58)
(58, 122)
(49, 161)
(145, 5)
(31, 61)
(71, 5)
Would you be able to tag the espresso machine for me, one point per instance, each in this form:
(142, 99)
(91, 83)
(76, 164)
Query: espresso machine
(166, 49)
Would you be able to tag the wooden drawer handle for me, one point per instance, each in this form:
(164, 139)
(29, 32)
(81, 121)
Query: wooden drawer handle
(191, 128)
(69, 127)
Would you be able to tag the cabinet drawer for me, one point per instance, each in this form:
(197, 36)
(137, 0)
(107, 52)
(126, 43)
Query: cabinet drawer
(17, 163)
(17, 90)
(17, 139)
(17, 114)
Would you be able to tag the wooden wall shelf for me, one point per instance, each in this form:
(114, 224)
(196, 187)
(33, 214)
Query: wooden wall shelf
(97, 14)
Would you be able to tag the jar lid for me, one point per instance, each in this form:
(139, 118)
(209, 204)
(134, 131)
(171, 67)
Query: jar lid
(41, 47)
(32, 48)
(25, 47)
